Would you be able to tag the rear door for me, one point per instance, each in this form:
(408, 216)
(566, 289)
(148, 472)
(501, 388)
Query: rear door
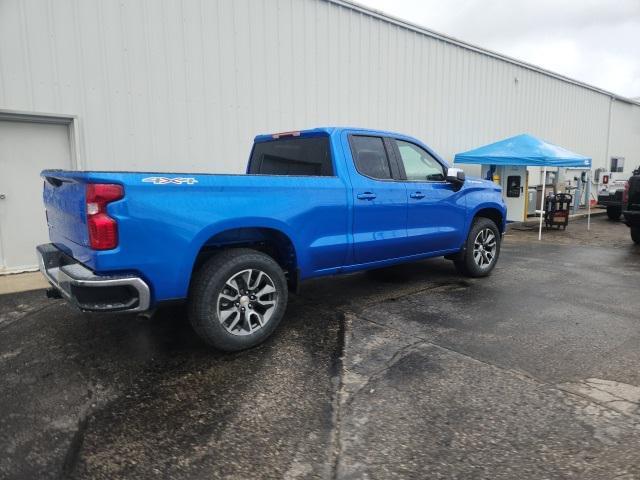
(435, 211)
(380, 202)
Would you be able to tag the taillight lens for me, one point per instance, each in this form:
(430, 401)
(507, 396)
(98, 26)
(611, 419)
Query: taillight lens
(103, 230)
(625, 194)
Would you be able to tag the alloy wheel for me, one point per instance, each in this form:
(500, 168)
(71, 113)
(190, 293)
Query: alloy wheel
(484, 248)
(247, 302)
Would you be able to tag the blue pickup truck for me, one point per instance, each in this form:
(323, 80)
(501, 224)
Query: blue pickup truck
(317, 202)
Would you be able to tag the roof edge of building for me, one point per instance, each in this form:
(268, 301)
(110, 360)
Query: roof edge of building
(470, 46)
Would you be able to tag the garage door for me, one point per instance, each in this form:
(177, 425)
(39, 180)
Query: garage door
(26, 148)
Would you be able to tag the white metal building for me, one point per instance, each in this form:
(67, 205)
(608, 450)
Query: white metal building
(185, 85)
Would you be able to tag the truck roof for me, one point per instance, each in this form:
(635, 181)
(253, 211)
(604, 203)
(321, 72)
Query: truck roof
(321, 131)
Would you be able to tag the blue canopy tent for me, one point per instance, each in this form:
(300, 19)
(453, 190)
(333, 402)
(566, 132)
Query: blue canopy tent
(526, 150)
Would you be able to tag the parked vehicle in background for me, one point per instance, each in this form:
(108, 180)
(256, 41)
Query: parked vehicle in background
(632, 205)
(610, 196)
(317, 202)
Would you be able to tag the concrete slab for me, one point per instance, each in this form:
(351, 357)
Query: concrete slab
(534, 221)
(530, 373)
(412, 409)
(22, 282)
(603, 233)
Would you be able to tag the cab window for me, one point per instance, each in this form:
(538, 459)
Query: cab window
(370, 157)
(292, 156)
(418, 164)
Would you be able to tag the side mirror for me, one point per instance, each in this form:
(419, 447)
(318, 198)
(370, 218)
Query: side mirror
(455, 176)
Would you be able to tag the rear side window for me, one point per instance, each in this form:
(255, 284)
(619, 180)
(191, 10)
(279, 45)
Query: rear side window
(370, 157)
(292, 156)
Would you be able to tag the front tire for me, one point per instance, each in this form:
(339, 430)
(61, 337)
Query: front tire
(237, 299)
(614, 213)
(482, 249)
(635, 235)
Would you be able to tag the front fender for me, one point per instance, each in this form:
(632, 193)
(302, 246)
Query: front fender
(480, 195)
(501, 207)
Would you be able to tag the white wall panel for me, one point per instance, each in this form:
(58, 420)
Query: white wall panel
(185, 85)
(625, 135)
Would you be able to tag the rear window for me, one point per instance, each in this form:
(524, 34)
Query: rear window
(370, 157)
(292, 156)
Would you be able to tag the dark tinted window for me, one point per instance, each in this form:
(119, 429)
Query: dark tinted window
(292, 156)
(617, 164)
(370, 157)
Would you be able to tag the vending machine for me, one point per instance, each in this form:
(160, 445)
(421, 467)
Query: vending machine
(514, 182)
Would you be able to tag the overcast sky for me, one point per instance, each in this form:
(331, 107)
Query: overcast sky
(595, 41)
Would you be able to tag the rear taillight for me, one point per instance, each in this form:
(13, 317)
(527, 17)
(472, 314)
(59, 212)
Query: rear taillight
(103, 230)
(625, 195)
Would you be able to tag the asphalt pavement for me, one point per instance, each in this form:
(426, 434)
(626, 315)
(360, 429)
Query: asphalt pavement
(407, 372)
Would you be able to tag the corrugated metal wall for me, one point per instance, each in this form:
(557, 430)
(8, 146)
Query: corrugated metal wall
(625, 134)
(185, 85)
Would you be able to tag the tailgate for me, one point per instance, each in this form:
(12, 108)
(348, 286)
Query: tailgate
(64, 201)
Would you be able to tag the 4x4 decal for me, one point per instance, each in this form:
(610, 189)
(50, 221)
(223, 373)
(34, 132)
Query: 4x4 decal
(166, 180)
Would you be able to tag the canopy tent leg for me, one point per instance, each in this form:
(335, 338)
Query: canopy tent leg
(544, 184)
(588, 188)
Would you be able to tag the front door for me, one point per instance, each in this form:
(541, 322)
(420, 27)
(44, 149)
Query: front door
(26, 148)
(380, 202)
(436, 213)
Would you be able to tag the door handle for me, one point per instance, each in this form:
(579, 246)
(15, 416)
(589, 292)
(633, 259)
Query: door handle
(417, 195)
(366, 196)
(2, 196)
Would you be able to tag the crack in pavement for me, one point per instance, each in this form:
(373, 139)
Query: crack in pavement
(620, 397)
(72, 454)
(396, 357)
(335, 446)
(75, 446)
(391, 296)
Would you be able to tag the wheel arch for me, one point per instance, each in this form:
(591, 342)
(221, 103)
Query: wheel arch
(493, 213)
(269, 240)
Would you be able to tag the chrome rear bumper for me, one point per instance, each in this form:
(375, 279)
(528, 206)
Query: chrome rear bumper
(88, 291)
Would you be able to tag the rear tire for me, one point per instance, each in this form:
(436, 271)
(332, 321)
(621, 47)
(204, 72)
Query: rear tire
(237, 299)
(482, 249)
(614, 213)
(635, 235)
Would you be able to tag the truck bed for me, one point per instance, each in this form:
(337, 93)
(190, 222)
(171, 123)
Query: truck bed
(164, 218)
